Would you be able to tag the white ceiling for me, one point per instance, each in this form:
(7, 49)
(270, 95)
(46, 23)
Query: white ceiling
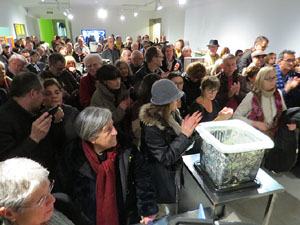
(56, 7)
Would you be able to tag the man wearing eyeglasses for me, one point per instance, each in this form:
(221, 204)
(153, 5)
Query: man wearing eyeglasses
(287, 79)
(260, 44)
(57, 70)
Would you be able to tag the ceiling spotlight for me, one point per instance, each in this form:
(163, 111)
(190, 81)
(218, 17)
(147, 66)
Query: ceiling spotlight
(159, 5)
(102, 13)
(65, 13)
(122, 18)
(181, 2)
(135, 14)
(42, 0)
(70, 16)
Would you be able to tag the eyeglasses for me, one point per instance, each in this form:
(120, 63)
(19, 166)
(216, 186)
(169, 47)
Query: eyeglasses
(270, 79)
(289, 60)
(212, 91)
(42, 200)
(178, 83)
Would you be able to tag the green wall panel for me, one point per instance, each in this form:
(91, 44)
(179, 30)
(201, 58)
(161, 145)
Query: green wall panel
(47, 33)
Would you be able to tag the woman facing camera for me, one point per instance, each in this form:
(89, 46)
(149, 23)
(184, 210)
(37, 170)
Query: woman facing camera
(207, 104)
(165, 138)
(25, 194)
(264, 108)
(111, 184)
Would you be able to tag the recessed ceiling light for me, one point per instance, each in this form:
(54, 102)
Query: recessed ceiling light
(102, 13)
(135, 14)
(181, 2)
(122, 18)
(70, 16)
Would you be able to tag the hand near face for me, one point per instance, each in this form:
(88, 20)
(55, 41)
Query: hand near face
(59, 115)
(176, 67)
(72, 69)
(40, 127)
(291, 84)
(237, 88)
(125, 103)
(189, 123)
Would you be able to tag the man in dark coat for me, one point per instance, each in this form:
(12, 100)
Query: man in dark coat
(260, 44)
(23, 132)
(233, 86)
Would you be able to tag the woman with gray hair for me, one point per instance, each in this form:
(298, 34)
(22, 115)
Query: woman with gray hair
(25, 194)
(108, 183)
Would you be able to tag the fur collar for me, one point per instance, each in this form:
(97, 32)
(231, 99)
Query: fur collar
(156, 119)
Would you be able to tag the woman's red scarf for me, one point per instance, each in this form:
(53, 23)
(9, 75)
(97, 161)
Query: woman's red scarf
(257, 112)
(107, 211)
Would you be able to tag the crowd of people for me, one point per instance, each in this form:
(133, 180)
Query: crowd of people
(111, 126)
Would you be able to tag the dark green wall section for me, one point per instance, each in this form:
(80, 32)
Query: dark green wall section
(47, 32)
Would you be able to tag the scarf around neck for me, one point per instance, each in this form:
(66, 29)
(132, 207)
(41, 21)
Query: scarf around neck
(107, 210)
(257, 112)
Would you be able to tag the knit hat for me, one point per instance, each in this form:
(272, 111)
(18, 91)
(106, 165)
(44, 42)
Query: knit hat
(165, 91)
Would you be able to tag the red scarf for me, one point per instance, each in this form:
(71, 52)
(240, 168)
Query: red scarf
(257, 112)
(107, 211)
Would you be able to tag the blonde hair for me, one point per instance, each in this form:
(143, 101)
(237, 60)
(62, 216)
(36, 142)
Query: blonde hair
(259, 80)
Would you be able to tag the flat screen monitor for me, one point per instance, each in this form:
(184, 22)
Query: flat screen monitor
(93, 35)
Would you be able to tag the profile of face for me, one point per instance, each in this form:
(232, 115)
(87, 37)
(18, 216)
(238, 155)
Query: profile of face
(52, 96)
(37, 99)
(159, 58)
(15, 65)
(37, 209)
(269, 82)
(58, 68)
(174, 105)
(113, 84)
(178, 80)
(123, 70)
(106, 138)
(178, 46)
(262, 46)
(187, 52)
(169, 53)
(229, 66)
(69, 47)
(209, 93)
(287, 63)
(92, 65)
(213, 49)
(2, 73)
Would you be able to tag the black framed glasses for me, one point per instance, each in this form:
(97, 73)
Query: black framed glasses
(43, 198)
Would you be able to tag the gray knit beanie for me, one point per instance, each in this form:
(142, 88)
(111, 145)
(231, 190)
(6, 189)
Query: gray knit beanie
(165, 91)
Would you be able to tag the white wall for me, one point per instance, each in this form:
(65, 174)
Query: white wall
(236, 24)
(10, 14)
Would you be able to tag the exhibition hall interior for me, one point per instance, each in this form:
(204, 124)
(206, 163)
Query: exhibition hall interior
(149, 112)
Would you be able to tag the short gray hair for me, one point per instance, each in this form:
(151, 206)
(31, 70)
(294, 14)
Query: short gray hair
(92, 55)
(19, 178)
(17, 57)
(90, 121)
(281, 54)
(229, 56)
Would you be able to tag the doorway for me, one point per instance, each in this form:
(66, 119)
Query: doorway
(155, 29)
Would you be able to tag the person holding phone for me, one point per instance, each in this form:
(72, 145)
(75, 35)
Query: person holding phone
(112, 94)
(63, 114)
(24, 132)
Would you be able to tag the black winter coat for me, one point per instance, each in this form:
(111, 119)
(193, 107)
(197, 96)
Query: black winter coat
(163, 148)
(135, 193)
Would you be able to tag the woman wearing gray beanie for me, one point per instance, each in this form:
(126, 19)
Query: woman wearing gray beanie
(165, 138)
